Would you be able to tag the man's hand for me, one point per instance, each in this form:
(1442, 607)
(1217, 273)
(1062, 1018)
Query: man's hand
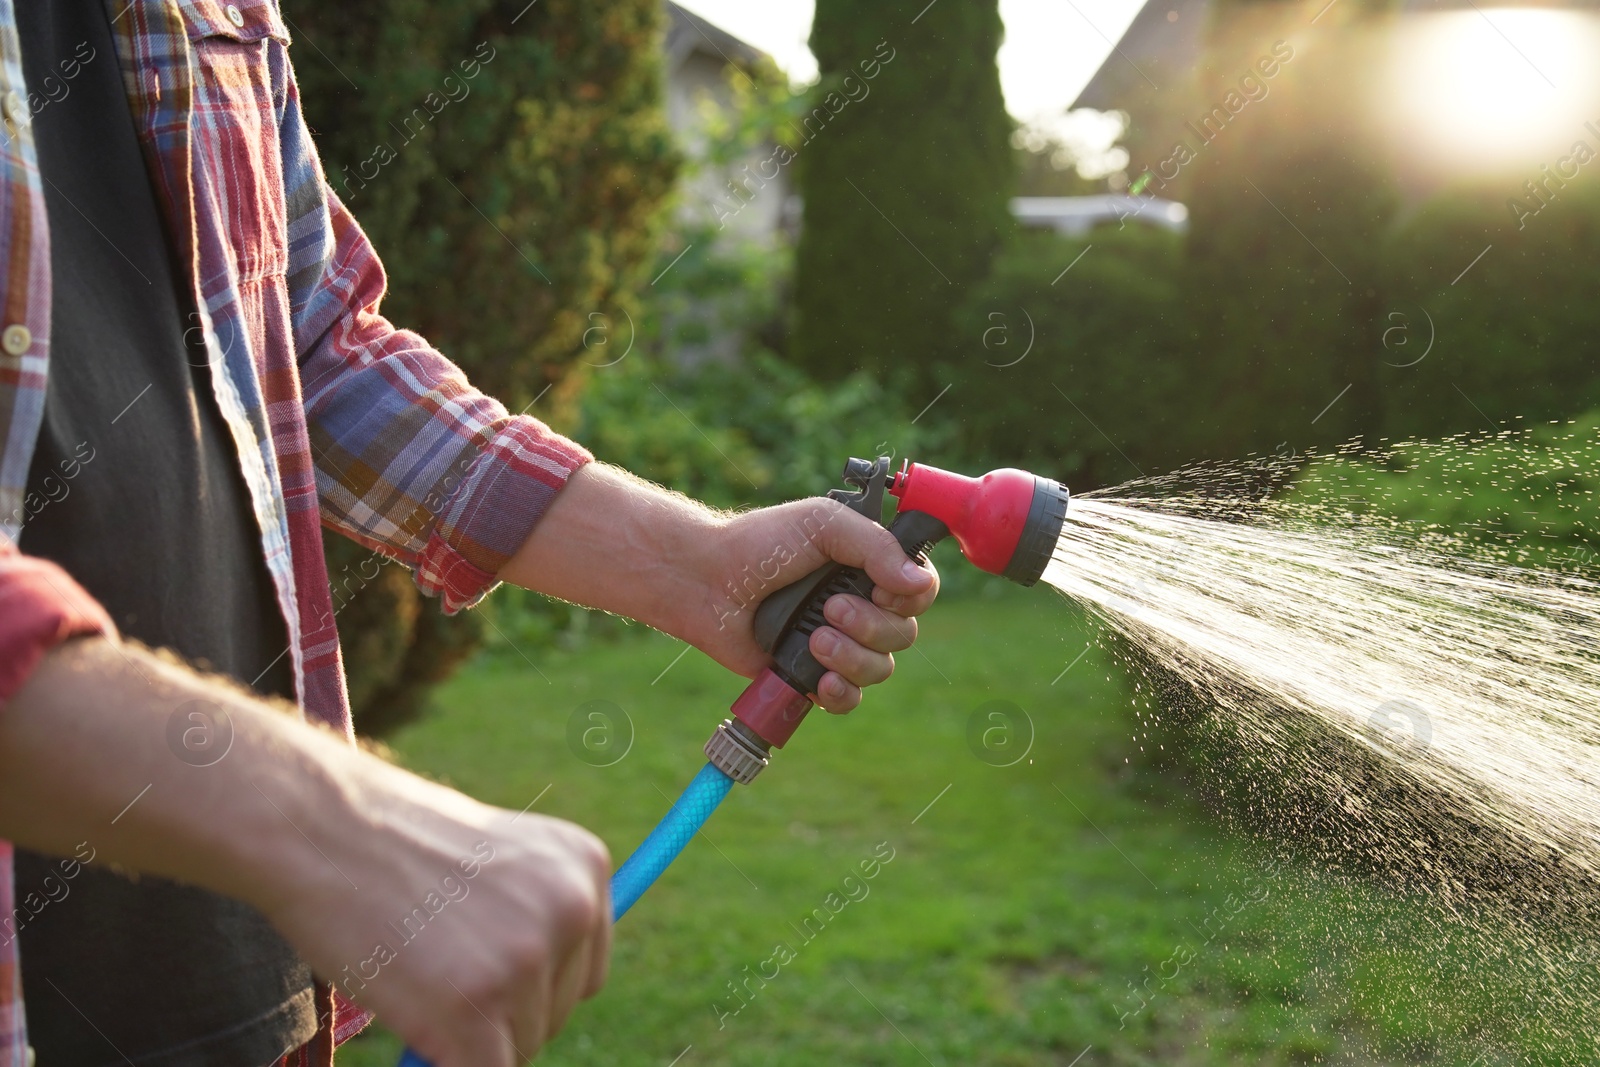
(470, 930)
(613, 542)
(759, 552)
(474, 931)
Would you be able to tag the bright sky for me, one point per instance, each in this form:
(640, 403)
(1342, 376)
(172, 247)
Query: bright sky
(1052, 47)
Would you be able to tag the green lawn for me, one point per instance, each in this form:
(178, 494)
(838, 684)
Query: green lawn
(1023, 905)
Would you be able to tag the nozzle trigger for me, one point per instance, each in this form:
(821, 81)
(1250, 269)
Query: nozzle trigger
(869, 477)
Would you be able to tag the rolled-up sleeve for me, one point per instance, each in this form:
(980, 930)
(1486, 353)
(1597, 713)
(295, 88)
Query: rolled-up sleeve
(40, 607)
(409, 458)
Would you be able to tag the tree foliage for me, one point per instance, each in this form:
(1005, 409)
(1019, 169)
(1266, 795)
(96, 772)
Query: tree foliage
(1289, 206)
(1475, 342)
(1331, 299)
(905, 166)
(1080, 373)
(510, 162)
(1320, 294)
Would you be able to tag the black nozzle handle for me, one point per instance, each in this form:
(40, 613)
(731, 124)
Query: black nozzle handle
(785, 620)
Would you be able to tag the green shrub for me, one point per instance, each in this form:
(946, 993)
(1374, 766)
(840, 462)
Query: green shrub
(516, 210)
(689, 392)
(734, 436)
(1524, 496)
(1282, 291)
(906, 168)
(508, 206)
(1315, 279)
(1103, 391)
(1515, 334)
(758, 433)
(1289, 201)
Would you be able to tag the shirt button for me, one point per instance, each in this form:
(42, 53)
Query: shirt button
(15, 110)
(235, 16)
(16, 339)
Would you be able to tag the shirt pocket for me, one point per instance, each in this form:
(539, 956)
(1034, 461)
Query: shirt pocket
(240, 65)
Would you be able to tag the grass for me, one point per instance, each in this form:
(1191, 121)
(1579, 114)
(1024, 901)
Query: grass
(1027, 911)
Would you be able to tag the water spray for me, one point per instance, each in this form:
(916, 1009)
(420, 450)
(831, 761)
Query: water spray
(1006, 522)
(1460, 684)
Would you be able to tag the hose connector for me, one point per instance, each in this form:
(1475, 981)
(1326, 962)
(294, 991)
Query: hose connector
(736, 751)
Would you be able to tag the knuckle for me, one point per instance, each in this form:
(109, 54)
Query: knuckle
(588, 913)
(578, 901)
(573, 904)
(835, 516)
(596, 855)
(893, 632)
(528, 955)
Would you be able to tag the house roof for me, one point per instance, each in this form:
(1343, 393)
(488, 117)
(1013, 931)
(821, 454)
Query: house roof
(689, 34)
(1166, 35)
(1169, 35)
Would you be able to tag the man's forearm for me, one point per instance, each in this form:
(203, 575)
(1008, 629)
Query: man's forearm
(614, 542)
(92, 748)
(365, 868)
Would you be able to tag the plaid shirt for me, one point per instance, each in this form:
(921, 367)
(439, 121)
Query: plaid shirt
(340, 418)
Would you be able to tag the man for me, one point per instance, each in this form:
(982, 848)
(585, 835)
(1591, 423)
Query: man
(194, 377)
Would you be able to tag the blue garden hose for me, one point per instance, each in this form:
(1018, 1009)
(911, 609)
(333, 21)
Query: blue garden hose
(657, 852)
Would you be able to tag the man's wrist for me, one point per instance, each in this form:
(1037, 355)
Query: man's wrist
(692, 552)
(614, 542)
(305, 798)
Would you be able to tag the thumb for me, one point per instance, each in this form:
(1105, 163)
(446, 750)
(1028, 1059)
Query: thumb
(857, 541)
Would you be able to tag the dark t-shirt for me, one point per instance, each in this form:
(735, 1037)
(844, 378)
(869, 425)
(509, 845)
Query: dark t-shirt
(155, 522)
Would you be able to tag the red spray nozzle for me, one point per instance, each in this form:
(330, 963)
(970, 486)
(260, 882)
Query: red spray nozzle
(1006, 521)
